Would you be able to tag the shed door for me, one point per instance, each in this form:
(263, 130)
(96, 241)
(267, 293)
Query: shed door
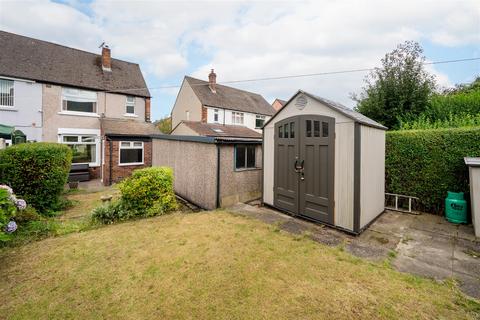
(305, 173)
(286, 180)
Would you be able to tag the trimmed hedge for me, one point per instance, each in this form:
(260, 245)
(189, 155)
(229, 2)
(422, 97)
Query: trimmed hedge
(37, 172)
(428, 163)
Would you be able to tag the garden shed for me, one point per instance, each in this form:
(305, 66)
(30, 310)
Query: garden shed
(324, 162)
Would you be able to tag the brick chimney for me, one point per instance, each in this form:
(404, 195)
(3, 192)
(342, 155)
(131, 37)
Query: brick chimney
(147, 109)
(106, 59)
(212, 81)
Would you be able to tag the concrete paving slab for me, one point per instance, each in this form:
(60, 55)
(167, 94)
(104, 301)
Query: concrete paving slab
(424, 245)
(420, 268)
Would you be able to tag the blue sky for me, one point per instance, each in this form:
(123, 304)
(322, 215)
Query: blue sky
(244, 40)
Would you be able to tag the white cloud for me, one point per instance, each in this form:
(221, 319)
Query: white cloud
(251, 39)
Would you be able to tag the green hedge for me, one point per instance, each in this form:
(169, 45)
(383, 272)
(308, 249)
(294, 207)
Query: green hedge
(428, 163)
(37, 172)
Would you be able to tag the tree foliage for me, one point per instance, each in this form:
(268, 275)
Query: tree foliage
(164, 125)
(400, 89)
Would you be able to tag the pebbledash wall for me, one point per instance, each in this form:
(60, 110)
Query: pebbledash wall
(195, 162)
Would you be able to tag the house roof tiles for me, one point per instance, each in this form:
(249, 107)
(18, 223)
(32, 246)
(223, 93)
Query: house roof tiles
(219, 130)
(230, 98)
(33, 59)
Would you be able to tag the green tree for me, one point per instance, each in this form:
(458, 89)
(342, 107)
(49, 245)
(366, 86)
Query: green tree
(399, 90)
(164, 125)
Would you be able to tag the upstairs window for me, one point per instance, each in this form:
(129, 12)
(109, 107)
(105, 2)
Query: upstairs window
(130, 105)
(6, 93)
(237, 118)
(76, 100)
(259, 121)
(131, 153)
(244, 157)
(215, 115)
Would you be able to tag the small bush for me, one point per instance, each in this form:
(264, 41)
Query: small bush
(37, 172)
(148, 192)
(428, 163)
(10, 205)
(112, 212)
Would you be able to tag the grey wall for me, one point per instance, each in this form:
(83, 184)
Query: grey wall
(194, 167)
(239, 186)
(26, 115)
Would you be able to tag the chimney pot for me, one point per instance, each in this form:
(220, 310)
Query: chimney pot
(106, 59)
(212, 81)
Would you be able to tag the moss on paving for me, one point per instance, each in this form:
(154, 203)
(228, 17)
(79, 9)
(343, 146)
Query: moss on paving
(210, 265)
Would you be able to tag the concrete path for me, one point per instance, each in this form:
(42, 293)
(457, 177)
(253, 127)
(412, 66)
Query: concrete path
(424, 245)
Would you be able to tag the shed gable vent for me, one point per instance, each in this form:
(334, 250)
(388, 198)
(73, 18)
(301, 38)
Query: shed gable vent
(301, 102)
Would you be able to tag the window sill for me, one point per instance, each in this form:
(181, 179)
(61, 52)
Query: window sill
(6, 108)
(247, 169)
(130, 115)
(131, 164)
(80, 114)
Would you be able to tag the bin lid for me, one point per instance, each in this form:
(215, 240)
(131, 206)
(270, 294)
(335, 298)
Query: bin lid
(472, 162)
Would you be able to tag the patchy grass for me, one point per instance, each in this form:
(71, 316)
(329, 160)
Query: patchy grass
(210, 265)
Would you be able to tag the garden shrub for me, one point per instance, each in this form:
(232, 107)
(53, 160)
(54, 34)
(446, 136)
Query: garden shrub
(9, 206)
(37, 172)
(428, 163)
(147, 192)
(112, 212)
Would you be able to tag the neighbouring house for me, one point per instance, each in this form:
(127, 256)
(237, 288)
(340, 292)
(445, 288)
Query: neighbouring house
(324, 162)
(278, 104)
(212, 103)
(215, 147)
(82, 99)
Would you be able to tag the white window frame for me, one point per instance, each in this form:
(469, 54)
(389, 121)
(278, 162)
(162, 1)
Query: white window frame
(81, 96)
(131, 146)
(12, 96)
(236, 116)
(216, 114)
(82, 133)
(130, 104)
(262, 117)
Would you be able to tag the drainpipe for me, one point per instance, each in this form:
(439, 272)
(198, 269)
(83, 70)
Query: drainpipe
(218, 177)
(110, 161)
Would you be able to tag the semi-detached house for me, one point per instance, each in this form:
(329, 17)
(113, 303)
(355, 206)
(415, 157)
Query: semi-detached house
(97, 105)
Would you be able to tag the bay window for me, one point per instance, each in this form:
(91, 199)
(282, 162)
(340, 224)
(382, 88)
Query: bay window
(76, 100)
(131, 153)
(6, 93)
(237, 118)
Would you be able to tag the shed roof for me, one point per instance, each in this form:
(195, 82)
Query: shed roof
(356, 116)
(33, 59)
(230, 98)
(111, 126)
(219, 130)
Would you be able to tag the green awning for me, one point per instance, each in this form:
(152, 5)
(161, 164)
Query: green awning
(6, 131)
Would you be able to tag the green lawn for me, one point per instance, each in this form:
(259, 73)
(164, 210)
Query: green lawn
(211, 265)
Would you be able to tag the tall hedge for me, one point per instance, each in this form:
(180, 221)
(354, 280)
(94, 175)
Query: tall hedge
(428, 163)
(37, 172)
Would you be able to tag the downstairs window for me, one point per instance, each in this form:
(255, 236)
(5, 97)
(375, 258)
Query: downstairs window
(131, 153)
(84, 148)
(244, 157)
